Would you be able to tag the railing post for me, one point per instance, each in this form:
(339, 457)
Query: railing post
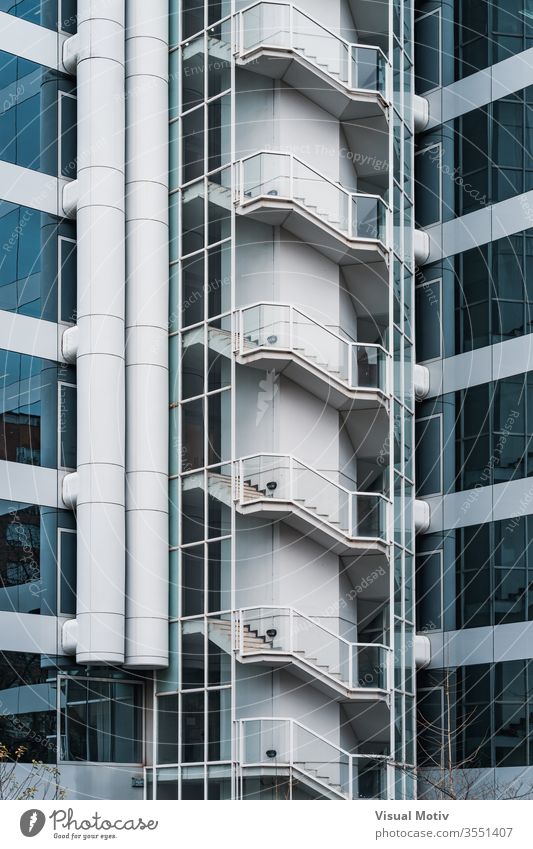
(291, 746)
(291, 323)
(241, 182)
(350, 776)
(291, 484)
(350, 665)
(291, 630)
(291, 27)
(350, 216)
(351, 349)
(291, 176)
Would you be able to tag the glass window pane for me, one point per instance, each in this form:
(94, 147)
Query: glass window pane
(193, 654)
(192, 506)
(193, 218)
(428, 456)
(192, 129)
(427, 189)
(427, 52)
(192, 727)
(192, 70)
(67, 573)
(429, 592)
(192, 581)
(67, 426)
(429, 334)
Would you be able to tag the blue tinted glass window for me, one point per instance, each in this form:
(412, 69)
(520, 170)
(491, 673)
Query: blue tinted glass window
(28, 695)
(28, 556)
(29, 397)
(52, 14)
(38, 259)
(102, 721)
(29, 116)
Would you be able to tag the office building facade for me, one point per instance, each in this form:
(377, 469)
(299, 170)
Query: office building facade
(208, 499)
(473, 161)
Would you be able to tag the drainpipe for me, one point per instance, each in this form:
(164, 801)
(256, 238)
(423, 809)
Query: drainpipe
(147, 334)
(96, 344)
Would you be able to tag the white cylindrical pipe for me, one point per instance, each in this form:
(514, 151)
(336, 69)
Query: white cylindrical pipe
(147, 334)
(100, 486)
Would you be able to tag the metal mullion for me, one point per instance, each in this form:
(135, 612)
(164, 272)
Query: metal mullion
(59, 681)
(180, 712)
(391, 348)
(205, 403)
(206, 708)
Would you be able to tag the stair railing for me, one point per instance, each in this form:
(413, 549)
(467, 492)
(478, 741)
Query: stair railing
(361, 666)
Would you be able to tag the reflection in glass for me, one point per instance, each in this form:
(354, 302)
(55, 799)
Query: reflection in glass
(101, 721)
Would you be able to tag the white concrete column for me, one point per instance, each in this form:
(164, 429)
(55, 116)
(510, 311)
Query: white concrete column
(96, 54)
(147, 333)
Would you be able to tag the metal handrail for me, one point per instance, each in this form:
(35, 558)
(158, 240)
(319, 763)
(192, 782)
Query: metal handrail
(351, 346)
(327, 630)
(350, 495)
(292, 156)
(350, 759)
(244, 198)
(292, 613)
(348, 45)
(292, 458)
(297, 723)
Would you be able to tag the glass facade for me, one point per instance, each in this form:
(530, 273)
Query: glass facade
(28, 691)
(474, 306)
(52, 14)
(476, 576)
(61, 718)
(38, 418)
(477, 298)
(475, 437)
(101, 720)
(38, 271)
(457, 39)
(37, 546)
(401, 343)
(481, 157)
(37, 117)
(206, 729)
(488, 708)
(203, 695)
(195, 705)
(49, 706)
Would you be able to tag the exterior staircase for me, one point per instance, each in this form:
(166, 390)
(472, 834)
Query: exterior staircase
(282, 487)
(272, 37)
(279, 188)
(284, 637)
(272, 746)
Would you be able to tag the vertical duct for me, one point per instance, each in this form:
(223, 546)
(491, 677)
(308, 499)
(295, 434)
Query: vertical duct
(147, 334)
(97, 489)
